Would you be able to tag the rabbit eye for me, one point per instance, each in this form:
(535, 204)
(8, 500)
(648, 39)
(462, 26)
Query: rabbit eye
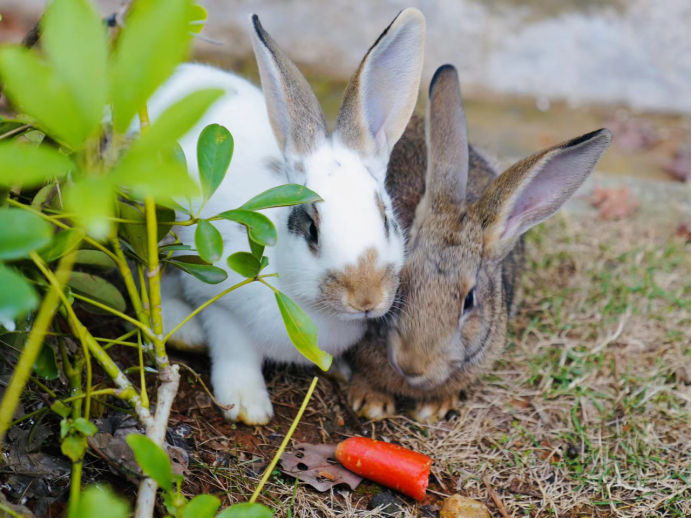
(313, 231)
(470, 301)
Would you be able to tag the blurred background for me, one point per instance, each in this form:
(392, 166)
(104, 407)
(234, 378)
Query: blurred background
(534, 72)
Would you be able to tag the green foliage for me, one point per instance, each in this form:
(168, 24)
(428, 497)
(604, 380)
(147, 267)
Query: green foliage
(21, 233)
(17, 297)
(214, 152)
(247, 510)
(206, 273)
(62, 243)
(281, 196)
(155, 40)
(98, 289)
(208, 241)
(29, 166)
(259, 228)
(153, 460)
(245, 264)
(101, 501)
(302, 331)
(46, 366)
(203, 505)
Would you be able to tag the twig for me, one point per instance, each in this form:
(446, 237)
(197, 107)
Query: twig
(496, 499)
(199, 379)
(284, 443)
(156, 431)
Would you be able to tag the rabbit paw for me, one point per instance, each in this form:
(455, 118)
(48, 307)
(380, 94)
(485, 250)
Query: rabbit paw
(252, 407)
(370, 403)
(431, 411)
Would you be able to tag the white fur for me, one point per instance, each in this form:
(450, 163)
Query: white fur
(244, 328)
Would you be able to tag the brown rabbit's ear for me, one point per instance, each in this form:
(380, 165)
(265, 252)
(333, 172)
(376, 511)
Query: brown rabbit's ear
(532, 190)
(447, 140)
(294, 112)
(381, 95)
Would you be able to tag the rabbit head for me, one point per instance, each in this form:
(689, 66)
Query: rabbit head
(456, 296)
(343, 255)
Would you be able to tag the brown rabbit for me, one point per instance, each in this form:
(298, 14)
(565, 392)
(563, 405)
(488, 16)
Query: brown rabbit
(465, 252)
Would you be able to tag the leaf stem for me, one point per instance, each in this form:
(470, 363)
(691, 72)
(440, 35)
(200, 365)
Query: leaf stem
(268, 471)
(154, 275)
(113, 311)
(204, 305)
(34, 343)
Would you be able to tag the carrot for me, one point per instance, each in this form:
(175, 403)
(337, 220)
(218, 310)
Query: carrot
(390, 465)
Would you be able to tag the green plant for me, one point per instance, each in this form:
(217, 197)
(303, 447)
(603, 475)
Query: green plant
(77, 193)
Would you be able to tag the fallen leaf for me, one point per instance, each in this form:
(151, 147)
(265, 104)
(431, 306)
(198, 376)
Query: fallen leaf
(516, 486)
(683, 230)
(460, 506)
(518, 403)
(317, 466)
(678, 166)
(614, 204)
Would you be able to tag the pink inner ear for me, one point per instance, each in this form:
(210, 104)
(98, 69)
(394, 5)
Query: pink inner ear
(557, 179)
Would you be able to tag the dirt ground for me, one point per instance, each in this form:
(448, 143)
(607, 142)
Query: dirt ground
(586, 413)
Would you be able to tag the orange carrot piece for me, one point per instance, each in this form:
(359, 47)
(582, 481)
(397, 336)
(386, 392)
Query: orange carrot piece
(390, 465)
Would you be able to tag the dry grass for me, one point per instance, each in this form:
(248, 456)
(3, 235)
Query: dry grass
(587, 412)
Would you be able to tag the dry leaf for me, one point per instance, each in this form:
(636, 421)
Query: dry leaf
(613, 203)
(517, 486)
(316, 465)
(460, 506)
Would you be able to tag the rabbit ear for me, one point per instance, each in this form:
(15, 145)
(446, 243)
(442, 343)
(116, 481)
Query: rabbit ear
(294, 112)
(532, 190)
(447, 140)
(381, 95)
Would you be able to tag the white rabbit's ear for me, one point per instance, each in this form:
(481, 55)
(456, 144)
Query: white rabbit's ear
(447, 141)
(381, 95)
(534, 189)
(294, 112)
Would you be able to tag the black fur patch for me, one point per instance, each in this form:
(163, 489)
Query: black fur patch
(300, 223)
(579, 140)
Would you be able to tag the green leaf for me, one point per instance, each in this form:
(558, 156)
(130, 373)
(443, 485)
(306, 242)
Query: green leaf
(208, 241)
(91, 199)
(165, 249)
(206, 273)
(244, 264)
(203, 505)
(74, 446)
(99, 290)
(65, 427)
(17, 296)
(280, 196)
(247, 510)
(264, 263)
(21, 232)
(74, 40)
(100, 501)
(302, 331)
(197, 18)
(136, 233)
(63, 242)
(159, 175)
(29, 166)
(41, 196)
(34, 87)
(46, 366)
(94, 259)
(153, 460)
(154, 41)
(7, 125)
(214, 152)
(260, 228)
(85, 427)
(256, 249)
(61, 409)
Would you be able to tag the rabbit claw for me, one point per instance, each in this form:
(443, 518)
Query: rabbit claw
(369, 403)
(430, 411)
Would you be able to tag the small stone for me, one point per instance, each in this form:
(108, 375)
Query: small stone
(389, 502)
(460, 506)
(452, 414)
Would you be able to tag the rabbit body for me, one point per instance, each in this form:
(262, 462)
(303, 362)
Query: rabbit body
(459, 284)
(338, 259)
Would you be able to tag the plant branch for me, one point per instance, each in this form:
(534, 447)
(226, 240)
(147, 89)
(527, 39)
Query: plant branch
(34, 343)
(113, 311)
(268, 471)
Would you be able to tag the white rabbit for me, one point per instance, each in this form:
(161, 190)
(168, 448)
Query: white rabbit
(338, 259)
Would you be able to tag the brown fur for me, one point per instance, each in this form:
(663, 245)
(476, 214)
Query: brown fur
(456, 245)
(363, 286)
